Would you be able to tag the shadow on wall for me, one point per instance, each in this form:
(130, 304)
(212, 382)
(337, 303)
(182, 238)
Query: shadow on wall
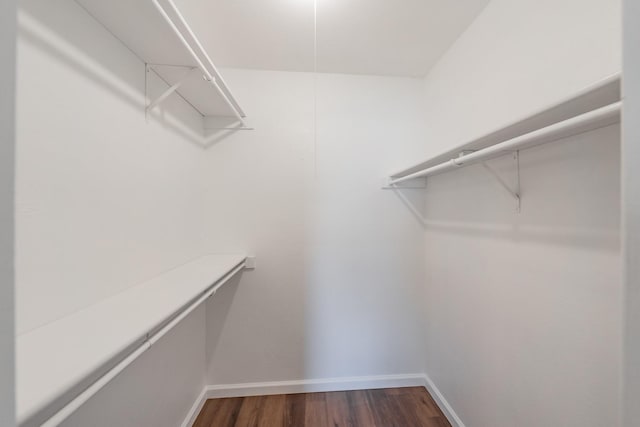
(414, 201)
(557, 186)
(176, 360)
(217, 310)
(528, 304)
(60, 29)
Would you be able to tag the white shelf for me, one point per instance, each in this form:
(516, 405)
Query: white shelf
(539, 128)
(157, 33)
(56, 360)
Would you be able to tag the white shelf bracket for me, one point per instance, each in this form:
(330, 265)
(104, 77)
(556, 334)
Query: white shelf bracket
(152, 104)
(250, 263)
(416, 184)
(513, 192)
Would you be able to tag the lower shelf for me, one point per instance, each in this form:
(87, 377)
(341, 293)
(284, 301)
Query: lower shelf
(55, 362)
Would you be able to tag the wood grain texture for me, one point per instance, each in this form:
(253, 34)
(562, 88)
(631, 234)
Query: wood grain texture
(394, 407)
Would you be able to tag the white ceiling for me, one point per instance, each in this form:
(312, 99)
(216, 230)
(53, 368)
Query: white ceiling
(380, 37)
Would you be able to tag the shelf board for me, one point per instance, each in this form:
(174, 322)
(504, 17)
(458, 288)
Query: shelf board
(596, 96)
(57, 359)
(142, 28)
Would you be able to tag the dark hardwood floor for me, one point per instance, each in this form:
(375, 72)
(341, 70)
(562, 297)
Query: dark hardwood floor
(396, 407)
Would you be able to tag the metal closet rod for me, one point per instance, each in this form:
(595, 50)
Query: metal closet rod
(95, 387)
(591, 120)
(213, 80)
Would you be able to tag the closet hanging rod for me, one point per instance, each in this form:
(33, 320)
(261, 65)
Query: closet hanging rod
(226, 96)
(591, 120)
(66, 411)
(216, 73)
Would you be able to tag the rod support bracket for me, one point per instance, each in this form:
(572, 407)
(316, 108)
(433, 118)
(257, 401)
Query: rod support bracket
(414, 184)
(514, 191)
(151, 104)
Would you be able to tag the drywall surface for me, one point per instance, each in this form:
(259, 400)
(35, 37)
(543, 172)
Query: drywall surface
(158, 389)
(339, 261)
(7, 163)
(515, 59)
(631, 213)
(105, 198)
(366, 37)
(522, 310)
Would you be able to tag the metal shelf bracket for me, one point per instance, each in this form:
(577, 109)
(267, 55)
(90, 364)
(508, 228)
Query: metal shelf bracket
(152, 104)
(513, 192)
(417, 184)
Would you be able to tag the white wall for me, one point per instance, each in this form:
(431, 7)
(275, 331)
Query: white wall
(158, 389)
(523, 311)
(631, 212)
(105, 200)
(339, 260)
(520, 56)
(7, 163)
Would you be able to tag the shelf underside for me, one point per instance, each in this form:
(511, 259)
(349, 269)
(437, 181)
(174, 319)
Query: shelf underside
(141, 27)
(56, 361)
(599, 95)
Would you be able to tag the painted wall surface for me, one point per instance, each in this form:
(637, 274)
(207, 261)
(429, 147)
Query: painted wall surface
(103, 206)
(520, 56)
(158, 389)
(7, 163)
(522, 310)
(105, 199)
(631, 212)
(339, 259)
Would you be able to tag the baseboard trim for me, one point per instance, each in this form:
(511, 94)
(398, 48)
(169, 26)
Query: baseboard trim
(321, 385)
(444, 405)
(195, 409)
(312, 386)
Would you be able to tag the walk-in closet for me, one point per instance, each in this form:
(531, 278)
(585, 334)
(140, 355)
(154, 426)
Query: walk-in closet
(319, 213)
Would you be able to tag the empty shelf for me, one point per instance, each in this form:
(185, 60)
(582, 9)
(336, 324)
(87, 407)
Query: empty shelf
(157, 33)
(594, 107)
(57, 361)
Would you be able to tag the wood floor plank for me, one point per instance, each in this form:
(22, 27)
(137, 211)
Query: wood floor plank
(206, 413)
(361, 408)
(384, 410)
(397, 407)
(250, 411)
(295, 408)
(227, 413)
(410, 413)
(440, 422)
(417, 407)
(402, 406)
(425, 406)
(338, 410)
(221, 412)
(273, 411)
(316, 410)
(400, 391)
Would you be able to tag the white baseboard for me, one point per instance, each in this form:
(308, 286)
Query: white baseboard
(445, 407)
(313, 386)
(195, 409)
(321, 385)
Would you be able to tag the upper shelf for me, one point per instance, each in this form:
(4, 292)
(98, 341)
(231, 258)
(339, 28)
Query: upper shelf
(55, 360)
(156, 32)
(588, 109)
